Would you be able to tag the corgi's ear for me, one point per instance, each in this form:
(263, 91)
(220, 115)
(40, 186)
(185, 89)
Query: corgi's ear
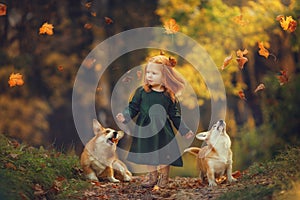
(202, 135)
(97, 127)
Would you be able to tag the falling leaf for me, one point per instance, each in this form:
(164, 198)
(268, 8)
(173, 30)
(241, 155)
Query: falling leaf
(171, 26)
(262, 50)
(89, 62)
(15, 79)
(287, 23)
(46, 29)
(88, 5)
(239, 20)
(60, 68)
(241, 62)
(241, 59)
(242, 95)
(108, 20)
(88, 26)
(240, 53)
(282, 77)
(226, 61)
(94, 14)
(3, 8)
(259, 87)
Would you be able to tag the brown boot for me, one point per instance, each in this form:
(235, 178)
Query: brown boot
(163, 177)
(151, 179)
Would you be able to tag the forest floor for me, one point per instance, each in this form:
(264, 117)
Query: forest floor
(178, 188)
(37, 173)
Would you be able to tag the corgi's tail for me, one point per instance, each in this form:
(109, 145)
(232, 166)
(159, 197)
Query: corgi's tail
(193, 150)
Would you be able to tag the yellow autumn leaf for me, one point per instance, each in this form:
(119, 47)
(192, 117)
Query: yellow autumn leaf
(171, 26)
(46, 29)
(287, 23)
(262, 50)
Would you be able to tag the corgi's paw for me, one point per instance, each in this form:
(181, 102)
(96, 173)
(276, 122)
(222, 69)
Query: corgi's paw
(113, 179)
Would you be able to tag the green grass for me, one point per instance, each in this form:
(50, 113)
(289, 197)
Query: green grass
(270, 180)
(32, 173)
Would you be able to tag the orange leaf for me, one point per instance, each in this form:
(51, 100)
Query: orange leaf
(2, 9)
(240, 53)
(88, 5)
(171, 26)
(60, 68)
(236, 174)
(262, 50)
(283, 77)
(108, 20)
(287, 23)
(88, 26)
(259, 87)
(241, 61)
(46, 29)
(242, 95)
(226, 61)
(15, 79)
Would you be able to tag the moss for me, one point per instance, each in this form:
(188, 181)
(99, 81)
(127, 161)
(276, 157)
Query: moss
(27, 172)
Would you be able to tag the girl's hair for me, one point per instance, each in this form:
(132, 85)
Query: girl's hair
(172, 81)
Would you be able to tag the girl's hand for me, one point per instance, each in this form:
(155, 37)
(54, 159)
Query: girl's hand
(120, 117)
(189, 135)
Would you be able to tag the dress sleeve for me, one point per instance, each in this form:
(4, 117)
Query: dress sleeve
(175, 116)
(134, 106)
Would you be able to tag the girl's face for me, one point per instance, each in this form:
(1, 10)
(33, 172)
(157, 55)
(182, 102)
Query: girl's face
(154, 75)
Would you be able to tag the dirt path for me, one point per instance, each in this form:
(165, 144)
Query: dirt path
(179, 188)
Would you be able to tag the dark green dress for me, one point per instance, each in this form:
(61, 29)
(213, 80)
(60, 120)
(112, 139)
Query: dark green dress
(154, 141)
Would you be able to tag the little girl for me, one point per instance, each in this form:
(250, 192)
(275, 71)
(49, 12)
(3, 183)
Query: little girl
(161, 84)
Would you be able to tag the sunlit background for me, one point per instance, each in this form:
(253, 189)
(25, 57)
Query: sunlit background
(251, 42)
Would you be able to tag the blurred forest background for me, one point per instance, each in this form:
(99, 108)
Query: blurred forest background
(40, 111)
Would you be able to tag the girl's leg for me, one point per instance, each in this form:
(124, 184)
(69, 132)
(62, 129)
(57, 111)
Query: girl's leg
(163, 176)
(151, 177)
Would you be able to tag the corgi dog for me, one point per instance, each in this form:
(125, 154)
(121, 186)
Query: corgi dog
(214, 159)
(99, 158)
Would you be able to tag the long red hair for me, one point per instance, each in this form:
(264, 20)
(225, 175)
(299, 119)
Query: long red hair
(172, 81)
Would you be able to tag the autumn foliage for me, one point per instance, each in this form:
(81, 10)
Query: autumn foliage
(46, 29)
(15, 80)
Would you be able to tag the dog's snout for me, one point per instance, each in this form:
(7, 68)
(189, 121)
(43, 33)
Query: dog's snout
(115, 134)
(221, 121)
